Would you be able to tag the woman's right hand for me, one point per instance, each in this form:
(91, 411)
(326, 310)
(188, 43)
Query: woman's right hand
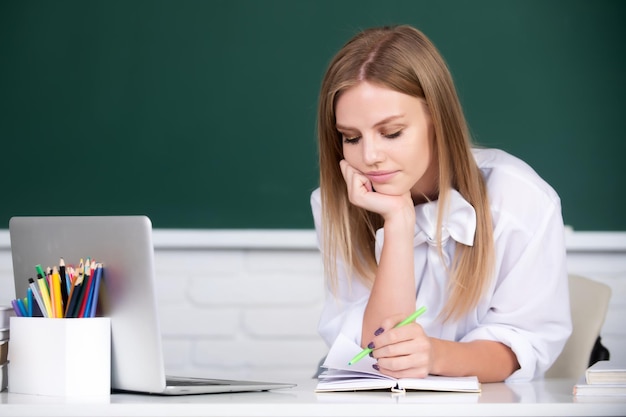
(361, 193)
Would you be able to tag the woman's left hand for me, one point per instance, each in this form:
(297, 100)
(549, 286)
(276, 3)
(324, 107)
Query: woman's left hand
(403, 352)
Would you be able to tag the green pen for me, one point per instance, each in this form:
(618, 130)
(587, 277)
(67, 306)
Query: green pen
(40, 271)
(41, 274)
(404, 322)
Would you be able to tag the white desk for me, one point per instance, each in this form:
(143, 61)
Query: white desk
(542, 398)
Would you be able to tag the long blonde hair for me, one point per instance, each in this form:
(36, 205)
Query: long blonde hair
(403, 59)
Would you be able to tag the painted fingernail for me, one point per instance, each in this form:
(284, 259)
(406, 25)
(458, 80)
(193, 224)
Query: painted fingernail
(379, 331)
(371, 345)
(375, 366)
(371, 354)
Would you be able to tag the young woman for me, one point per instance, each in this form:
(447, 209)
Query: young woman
(409, 214)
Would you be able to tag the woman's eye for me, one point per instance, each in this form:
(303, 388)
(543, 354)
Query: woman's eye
(353, 139)
(393, 135)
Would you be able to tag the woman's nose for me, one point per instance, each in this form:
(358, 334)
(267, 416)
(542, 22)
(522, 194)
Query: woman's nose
(372, 152)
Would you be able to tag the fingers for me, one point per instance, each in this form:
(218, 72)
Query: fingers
(357, 183)
(401, 341)
(402, 352)
(362, 194)
(405, 367)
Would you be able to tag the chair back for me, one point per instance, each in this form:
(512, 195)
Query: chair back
(589, 302)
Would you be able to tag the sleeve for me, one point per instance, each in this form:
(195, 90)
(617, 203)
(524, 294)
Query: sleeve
(342, 311)
(529, 305)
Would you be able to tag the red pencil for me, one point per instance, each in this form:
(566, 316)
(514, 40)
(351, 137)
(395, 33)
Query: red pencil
(86, 290)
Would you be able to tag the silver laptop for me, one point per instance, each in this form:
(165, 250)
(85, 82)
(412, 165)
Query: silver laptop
(124, 245)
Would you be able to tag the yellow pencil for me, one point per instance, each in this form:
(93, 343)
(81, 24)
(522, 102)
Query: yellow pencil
(45, 296)
(51, 289)
(57, 300)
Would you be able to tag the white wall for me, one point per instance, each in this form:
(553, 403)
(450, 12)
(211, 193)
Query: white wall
(245, 304)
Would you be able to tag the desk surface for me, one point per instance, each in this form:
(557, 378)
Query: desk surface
(540, 398)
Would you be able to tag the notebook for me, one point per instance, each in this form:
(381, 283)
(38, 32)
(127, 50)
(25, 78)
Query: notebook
(340, 376)
(128, 295)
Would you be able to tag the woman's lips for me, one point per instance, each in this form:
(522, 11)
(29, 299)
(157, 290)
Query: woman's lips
(380, 176)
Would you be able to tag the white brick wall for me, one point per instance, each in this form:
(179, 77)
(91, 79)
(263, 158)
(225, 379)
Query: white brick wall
(251, 312)
(244, 304)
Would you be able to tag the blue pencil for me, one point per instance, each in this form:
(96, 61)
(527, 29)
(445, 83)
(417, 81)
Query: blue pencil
(20, 305)
(96, 292)
(29, 301)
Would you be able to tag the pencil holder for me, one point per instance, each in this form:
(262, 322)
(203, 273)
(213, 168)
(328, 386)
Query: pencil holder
(60, 357)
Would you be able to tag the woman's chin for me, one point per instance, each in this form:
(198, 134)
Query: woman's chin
(388, 190)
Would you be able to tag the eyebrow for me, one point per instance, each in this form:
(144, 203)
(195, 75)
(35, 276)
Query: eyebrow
(382, 122)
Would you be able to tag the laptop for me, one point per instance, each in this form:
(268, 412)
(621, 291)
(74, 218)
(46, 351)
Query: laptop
(127, 295)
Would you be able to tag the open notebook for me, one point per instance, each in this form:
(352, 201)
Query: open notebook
(128, 296)
(339, 376)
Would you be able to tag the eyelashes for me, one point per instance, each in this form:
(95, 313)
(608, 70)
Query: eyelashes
(393, 135)
(355, 139)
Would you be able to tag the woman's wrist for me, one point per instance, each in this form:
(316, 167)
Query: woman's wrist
(434, 367)
(401, 220)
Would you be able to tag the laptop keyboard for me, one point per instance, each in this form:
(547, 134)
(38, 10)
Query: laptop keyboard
(182, 382)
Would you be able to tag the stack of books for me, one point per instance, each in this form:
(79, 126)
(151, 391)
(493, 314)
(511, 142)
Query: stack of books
(5, 314)
(604, 378)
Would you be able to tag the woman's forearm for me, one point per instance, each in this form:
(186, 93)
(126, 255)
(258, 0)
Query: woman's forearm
(489, 360)
(393, 291)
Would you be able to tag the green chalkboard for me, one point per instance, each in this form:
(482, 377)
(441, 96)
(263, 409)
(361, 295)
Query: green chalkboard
(201, 114)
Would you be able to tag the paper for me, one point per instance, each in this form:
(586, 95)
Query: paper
(340, 376)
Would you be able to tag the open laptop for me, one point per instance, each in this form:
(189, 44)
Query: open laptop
(128, 296)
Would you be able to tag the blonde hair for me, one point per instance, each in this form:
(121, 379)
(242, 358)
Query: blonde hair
(403, 59)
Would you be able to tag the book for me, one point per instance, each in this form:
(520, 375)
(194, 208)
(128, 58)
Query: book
(606, 372)
(339, 376)
(582, 389)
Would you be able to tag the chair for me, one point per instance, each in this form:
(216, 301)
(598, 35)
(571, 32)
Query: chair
(589, 302)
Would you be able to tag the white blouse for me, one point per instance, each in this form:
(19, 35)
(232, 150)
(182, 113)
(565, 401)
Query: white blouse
(526, 306)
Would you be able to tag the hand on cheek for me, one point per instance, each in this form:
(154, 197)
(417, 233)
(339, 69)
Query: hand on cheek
(357, 183)
(361, 193)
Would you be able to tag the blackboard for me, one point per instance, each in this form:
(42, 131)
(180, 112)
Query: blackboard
(201, 114)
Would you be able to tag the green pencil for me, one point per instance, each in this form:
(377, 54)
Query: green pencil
(404, 322)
